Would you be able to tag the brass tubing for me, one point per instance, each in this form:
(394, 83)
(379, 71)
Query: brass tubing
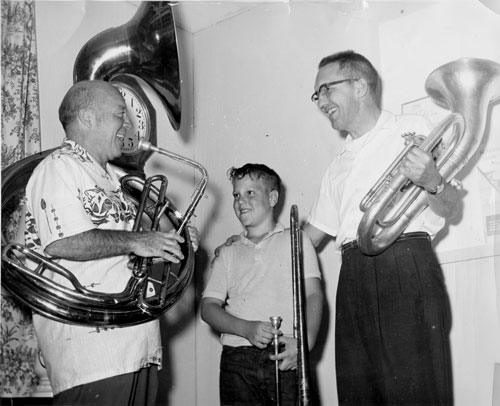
(299, 322)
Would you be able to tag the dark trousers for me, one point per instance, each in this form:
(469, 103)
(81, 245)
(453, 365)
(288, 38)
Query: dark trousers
(393, 322)
(247, 377)
(135, 389)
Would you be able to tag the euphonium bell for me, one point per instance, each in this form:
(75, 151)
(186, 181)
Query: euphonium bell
(466, 87)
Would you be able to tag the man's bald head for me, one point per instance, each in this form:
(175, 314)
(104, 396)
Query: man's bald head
(84, 95)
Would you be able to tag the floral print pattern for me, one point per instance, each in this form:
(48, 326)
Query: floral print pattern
(70, 147)
(20, 104)
(102, 207)
(19, 349)
(20, 138)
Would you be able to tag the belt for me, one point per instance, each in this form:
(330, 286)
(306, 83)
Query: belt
(403, 237)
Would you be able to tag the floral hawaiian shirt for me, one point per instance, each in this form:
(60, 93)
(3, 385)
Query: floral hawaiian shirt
(70, 193)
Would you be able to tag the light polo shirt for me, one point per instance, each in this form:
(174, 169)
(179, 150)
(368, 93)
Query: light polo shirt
(255, 280)
(70, 193)
(356, 169)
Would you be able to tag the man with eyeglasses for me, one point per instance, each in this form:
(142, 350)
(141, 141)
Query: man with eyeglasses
(392, 311)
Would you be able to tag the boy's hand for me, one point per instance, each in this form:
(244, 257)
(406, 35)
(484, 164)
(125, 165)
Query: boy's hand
(288, 356)
(260, 333)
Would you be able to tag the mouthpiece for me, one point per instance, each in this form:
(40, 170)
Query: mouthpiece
(144, 145)
(275, 321)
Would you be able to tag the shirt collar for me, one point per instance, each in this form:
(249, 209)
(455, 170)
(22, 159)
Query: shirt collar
(78, 151)
(278, 228)
(354, 145)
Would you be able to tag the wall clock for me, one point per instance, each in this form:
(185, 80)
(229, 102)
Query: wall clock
(143, 118)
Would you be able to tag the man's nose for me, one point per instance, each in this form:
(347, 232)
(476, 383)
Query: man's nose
(322, 100)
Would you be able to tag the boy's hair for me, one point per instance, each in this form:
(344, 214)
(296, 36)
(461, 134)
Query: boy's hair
(257, 171)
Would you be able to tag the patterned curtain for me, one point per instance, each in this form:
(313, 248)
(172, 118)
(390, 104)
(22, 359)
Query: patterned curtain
(20, 138)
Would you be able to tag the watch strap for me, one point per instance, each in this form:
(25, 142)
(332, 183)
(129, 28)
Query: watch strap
(438, 188)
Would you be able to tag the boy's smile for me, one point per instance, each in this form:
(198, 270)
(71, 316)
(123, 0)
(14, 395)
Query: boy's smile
(253, 204)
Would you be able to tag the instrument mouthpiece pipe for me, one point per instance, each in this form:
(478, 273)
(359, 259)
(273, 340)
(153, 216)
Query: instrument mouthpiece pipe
(200, 189)
(276, 323)
(145, 145)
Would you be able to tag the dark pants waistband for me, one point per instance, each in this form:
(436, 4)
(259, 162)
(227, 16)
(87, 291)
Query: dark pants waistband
(250, 348)
(403, 237)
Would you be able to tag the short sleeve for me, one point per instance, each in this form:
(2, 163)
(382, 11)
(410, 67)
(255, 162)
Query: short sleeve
(309, 258)
(217, 284)
(323, 214)
(53, 199)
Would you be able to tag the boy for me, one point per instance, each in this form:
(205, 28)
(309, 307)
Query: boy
(251, 280)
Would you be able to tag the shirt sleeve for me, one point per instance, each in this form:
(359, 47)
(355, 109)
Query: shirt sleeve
(323, 214)
(53, 195)
(309, 258)
(217, 286)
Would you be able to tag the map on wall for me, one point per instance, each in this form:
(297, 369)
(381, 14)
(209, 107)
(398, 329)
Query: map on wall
(480, 223)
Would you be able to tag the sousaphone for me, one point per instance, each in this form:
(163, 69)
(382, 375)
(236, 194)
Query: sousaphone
(146, 46)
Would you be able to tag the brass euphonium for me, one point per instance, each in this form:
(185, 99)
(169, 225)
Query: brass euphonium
(466, 87)
(145, 47)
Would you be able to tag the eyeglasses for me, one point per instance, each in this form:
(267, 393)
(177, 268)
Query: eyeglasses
(325, 88)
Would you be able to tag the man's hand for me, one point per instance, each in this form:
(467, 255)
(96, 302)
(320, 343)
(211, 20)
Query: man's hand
(158, 244)
(288, 357)
(420, 168)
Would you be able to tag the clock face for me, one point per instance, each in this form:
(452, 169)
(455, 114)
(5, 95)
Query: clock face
(139, 117)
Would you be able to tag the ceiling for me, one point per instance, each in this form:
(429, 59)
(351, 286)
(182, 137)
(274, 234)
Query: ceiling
(194, 16)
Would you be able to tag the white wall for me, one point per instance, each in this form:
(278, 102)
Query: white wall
(254, 75)
(246, 88)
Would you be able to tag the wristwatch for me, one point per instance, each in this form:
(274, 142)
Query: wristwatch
(438, 188)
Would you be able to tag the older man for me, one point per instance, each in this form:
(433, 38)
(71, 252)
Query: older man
(78, 214)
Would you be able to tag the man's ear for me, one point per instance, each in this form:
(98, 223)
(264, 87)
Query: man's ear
(362, 87)
(273, 197)
(86, 117)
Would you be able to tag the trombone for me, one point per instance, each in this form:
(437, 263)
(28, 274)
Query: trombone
(299, 322)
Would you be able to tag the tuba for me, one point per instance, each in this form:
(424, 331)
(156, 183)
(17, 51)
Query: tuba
(466, 87)
(146, 47)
